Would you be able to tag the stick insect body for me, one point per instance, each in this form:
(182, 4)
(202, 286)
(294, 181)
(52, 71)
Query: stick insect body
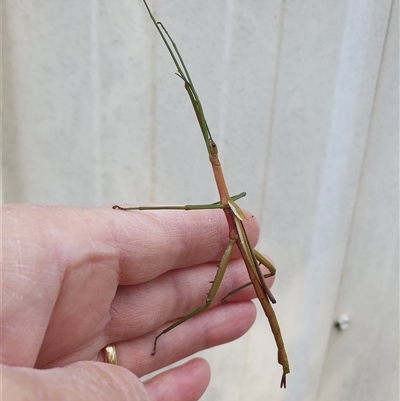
(234, 216)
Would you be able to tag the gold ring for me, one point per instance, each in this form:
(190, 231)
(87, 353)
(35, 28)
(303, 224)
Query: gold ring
(110, 354)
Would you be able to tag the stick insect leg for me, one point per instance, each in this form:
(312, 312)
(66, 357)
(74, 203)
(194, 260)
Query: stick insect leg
(215, 205)
(263, 261)
(210, 296)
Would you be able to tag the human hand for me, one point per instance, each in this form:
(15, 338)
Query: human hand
(75, 280)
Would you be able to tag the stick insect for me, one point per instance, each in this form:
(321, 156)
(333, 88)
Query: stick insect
(234, 216)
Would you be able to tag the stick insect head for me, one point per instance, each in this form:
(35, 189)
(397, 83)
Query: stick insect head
(184, 75)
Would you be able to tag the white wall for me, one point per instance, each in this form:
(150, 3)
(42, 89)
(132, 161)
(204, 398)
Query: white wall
(302, 98)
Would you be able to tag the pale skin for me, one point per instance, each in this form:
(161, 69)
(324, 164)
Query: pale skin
(75, 280)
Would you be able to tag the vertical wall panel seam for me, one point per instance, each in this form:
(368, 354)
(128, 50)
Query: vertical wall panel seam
(367, 140)
(222, 134)
(330, 193)
(95, 89)
(153, 107)
(270, 123)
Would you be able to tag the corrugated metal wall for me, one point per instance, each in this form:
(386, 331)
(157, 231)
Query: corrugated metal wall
(302, 98)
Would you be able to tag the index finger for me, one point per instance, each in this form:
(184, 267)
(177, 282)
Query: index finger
(139, 245)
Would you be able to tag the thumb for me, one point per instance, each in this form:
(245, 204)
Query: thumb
(86, 381)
